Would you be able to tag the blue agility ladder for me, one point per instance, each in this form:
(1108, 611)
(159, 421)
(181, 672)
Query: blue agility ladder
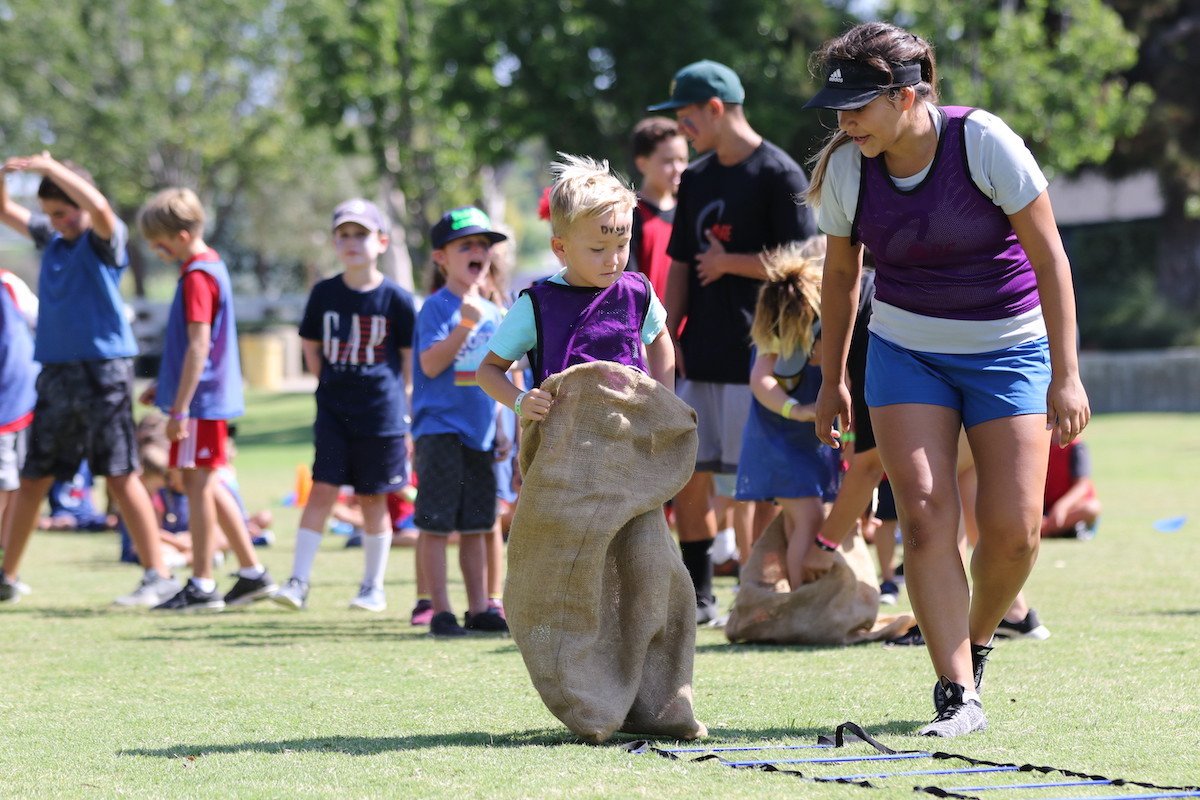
(852, 733)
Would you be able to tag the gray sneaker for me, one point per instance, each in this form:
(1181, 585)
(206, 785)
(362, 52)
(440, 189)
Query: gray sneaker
(979, 659)
(293, 595)
(153, 590)
(10, 589)
(957, 715)
(369, 598)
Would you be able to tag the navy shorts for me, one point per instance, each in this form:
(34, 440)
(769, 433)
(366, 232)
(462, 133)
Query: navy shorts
(84, 411)
(457, 486)
(980, 386)
(370, 464)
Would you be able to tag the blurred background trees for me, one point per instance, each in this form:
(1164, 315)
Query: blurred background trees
(274, 110)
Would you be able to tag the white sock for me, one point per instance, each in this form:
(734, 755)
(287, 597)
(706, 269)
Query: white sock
(308, 542)
(376, 547)
(971, 694)
(205, 584)
(252, 573)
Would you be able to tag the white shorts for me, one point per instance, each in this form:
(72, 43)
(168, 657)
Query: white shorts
(721, 412)
(12, 457)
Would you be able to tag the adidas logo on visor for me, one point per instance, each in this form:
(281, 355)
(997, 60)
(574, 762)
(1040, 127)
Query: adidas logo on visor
(835, 76)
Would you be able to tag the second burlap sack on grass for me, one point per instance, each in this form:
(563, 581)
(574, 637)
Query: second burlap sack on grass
(597, 597)
(840, 608)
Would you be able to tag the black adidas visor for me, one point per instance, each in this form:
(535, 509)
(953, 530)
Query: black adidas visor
(853, 84)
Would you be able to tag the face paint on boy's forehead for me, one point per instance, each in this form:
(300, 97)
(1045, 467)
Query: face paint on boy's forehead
(618, 230)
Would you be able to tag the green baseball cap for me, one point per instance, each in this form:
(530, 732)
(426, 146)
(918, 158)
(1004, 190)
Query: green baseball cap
(698, 82)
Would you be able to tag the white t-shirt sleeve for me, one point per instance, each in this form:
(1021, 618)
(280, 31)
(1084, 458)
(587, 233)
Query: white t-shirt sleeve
(1001, 165)
(656, 319)
(517, 333)
(839, 192)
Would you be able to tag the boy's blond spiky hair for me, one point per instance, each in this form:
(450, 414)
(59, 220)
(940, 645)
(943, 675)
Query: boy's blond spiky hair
(584, 187)
(789, 302)
(171, 211)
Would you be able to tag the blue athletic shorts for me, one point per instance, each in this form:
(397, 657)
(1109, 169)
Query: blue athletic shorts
(981, 386)
(371, 464)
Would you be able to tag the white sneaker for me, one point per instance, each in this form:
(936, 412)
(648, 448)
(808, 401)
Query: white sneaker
(293, 594)
(152, 591)
(370, 598)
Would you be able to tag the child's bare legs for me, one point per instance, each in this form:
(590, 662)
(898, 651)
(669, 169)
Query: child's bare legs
(138, 512)
(802, 517)
(5, 516)
(764, 515)
(233, 525)
(495, 561)
(885, 549)
(472, 559)
(201, 486)
(432, 551)
(24, 516)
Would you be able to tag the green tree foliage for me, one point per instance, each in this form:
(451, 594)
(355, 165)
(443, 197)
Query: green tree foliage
(1169, 142)
(150, 93)
(1052, 69)
(578, 74)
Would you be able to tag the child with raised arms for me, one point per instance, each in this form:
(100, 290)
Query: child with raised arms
(592, 310)
(782, 459)
(357, 336)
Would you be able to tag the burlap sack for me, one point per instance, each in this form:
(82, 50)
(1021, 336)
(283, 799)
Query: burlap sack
(840, 608)
(597, 597)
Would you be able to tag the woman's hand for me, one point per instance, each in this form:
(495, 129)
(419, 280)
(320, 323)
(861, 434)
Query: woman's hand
(833, 404)
(1067, 409)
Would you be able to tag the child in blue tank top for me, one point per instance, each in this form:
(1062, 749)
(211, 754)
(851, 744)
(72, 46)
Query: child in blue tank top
(199, 388)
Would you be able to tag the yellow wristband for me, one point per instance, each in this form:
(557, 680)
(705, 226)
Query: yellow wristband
(788, 405)
(469, 324)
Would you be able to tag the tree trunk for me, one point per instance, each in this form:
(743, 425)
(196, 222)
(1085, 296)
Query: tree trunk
(137, 268)
(396, 262)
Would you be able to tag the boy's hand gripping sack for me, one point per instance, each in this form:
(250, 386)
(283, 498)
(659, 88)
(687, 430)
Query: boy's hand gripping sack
(597, 597)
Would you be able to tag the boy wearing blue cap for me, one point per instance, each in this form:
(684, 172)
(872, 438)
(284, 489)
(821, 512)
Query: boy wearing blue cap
(454, 421)
(736, 201)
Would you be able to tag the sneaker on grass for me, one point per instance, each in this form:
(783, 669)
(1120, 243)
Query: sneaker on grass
(706, 609)
(191, 599)
(445, 625)
(1029, 628)
(150, 592)
(485, 622)
(9, 589)
(369, 598)
(422, 613)
(889, 593)
(959, 715)
(293, 595)
(979, 658)
(250, 590)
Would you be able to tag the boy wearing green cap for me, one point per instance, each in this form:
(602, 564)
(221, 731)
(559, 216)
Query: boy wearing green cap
(737, 200)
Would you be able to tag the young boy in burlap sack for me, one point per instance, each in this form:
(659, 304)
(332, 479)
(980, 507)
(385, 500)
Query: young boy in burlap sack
(598, 599)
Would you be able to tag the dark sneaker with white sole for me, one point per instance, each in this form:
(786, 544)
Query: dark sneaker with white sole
(485, 622)
(889, 593)
(251, 590)
(979, 657)
(1029, 628)
(958, 714)
(9, 589)
(191, 599)
(706, 610)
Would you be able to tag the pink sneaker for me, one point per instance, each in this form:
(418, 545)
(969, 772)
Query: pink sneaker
(422, 613)
(496, 606)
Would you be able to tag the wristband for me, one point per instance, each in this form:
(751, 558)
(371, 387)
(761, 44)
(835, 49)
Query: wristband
(517, 404)
(469, 324)
(179, 416)
(788, 405)
(825, 544)
(848, 437)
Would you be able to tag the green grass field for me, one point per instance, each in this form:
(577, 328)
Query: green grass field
(101, 702)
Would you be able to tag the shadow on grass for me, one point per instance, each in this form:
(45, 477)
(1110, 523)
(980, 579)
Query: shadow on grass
(368, 745)
(270, 633)
(764, 647)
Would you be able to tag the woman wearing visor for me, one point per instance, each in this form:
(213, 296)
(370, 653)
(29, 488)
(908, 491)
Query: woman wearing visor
(973, 326)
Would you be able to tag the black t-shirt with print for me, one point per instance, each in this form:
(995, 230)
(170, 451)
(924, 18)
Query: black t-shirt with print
(751, 206)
